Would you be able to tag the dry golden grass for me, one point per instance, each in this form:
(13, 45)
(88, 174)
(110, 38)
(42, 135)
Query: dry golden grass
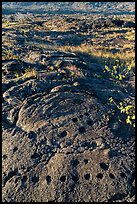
(101, 55)
(130, 35)
(9, 55)
(57, 25)
(30, 73)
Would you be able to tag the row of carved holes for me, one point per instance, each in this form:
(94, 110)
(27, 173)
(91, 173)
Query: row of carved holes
(75, 178)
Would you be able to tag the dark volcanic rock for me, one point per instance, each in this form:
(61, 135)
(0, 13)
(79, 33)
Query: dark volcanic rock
(60, 143)
(118, 23)
(129, 24)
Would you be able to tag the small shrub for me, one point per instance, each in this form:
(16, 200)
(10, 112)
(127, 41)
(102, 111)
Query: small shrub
(126, 108)
(119, 70)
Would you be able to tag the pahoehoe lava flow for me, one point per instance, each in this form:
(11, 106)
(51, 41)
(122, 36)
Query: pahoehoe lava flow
(60, 142)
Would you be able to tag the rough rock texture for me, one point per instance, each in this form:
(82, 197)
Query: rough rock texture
(57, 142)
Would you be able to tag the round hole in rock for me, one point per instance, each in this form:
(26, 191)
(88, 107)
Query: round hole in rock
(85, 161)
(80, 116)
(48, 179)
(15, 149)
(4, 157)
(75, 178)
(74, 162)
(89, 122)
(24, 179)
(69, 142)
(82, 130)
(35, 155)
(32, 135)
(100, 176)
(87, 176)
(94, 145)
(63, 134)
(111, 176)
(74, 120)
(62, 178)
(35, 179)
(123, 175)
(104, 166)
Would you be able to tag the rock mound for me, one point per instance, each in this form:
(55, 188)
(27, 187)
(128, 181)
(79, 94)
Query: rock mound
(60, 142)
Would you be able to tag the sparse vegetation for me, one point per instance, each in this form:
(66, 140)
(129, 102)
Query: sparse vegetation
(126, 108)
(30, 73)
(118, 70)
(8, 54)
